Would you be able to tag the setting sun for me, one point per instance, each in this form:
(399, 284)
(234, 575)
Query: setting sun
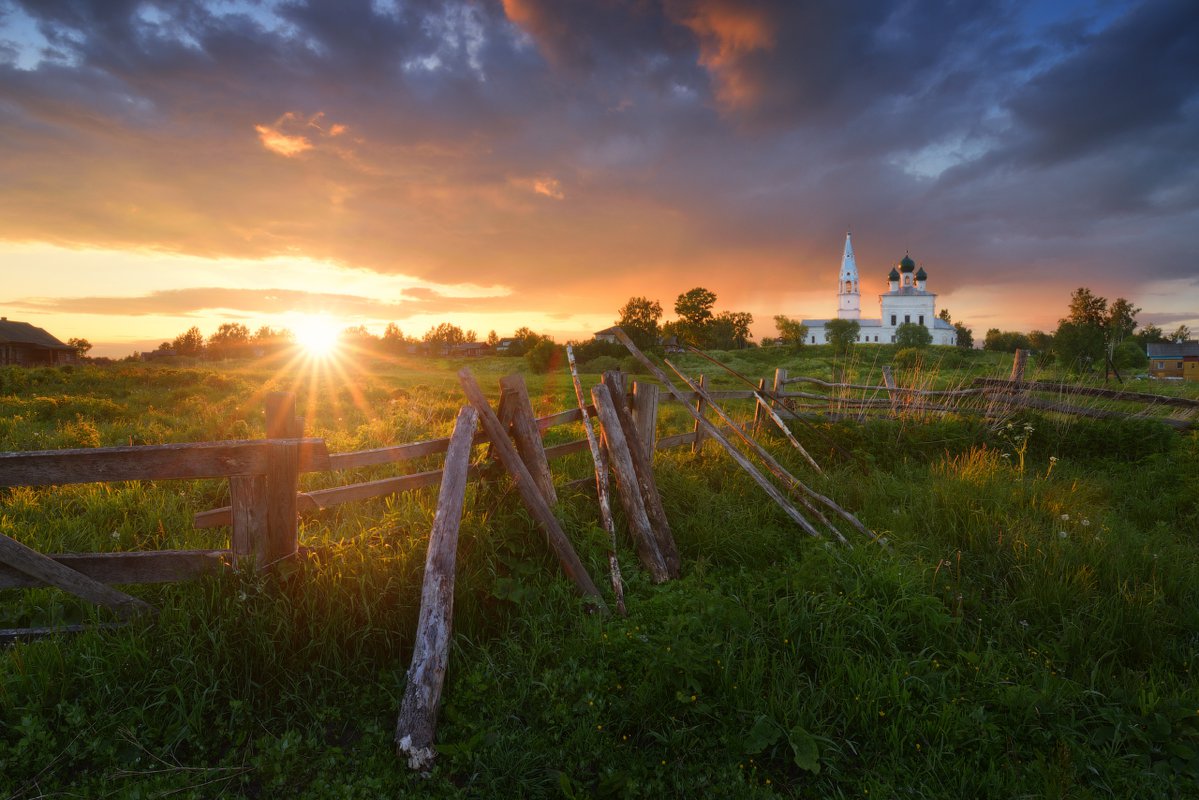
(318, 335)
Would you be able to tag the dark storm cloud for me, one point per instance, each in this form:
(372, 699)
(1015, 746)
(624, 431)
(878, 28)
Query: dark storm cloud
(610, 143)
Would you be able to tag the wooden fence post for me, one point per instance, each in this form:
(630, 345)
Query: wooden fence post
(621, 460)
(889, 380)
(1018, 361)
(527, 436)
(281, 421)
(282, 481)
(643, 462)
(417, 721)
(645, 414)
(780, 383)
(759, 413)
(248, 499)
(699, 409)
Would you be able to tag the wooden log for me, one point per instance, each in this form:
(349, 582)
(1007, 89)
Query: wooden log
(902, 390)
(532, 497)
(248, 496)
(699, 410)
(759, 414)
(645, 414)
(600, 461)
(1095, 413)
(527, 436)
(416, 725)
(643, 463)
(631, 497)
(11, 635)
(282, 479)
(281, 421)
(50, 572)
(150, 462)
(711, 430)
(153, 566)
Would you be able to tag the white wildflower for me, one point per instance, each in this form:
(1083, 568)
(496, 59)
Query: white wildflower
(1065, 517)
(1062, 534)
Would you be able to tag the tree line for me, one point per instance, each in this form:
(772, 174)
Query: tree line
(697, 325)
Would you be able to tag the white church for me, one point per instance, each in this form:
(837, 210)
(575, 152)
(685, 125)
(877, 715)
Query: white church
(907, 300)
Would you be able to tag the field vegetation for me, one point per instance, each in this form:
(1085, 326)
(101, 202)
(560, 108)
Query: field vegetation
(1030, 629)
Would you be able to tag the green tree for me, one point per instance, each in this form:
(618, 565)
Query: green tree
(445, 334)
(394, 340)
(189, 343)
(791, 331)
(1150, 334)
(81, 345)
(545, 356)
(694, 308)
(913, 334)
(1121, 320)
(1087, 308)
(729, 330)
(492, 339)
(229, 340)
(842, 333)
(1181, 334)
(1129, 355)
(639, 319)
(1078, 346)
(1005, 341)
(965, 336)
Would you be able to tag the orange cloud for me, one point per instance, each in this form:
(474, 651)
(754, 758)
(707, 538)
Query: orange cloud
(728, 32)
(550, 187)
(288, 135)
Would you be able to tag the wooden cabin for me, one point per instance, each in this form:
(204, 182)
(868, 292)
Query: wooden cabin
(26, 345)
(1174, 360)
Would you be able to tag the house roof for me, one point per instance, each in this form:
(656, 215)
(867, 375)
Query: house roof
(607, 331)
(1173, 349)
(12, 332)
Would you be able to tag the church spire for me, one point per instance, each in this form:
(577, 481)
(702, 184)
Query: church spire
(849, 304)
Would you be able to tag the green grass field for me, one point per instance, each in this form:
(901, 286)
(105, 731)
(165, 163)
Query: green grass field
(1030, 631)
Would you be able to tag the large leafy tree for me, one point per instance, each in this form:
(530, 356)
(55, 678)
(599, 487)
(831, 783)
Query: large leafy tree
(694, 308)
(913, 334)
(1092, 328)
(81, 345)
(229, 340)
(791, 331)
(639, 318)
(189, 343)
(1005, 341)
(445, 333)
(729, 330)
(842, 333)
(1181, 334)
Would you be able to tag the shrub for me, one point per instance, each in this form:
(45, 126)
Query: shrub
(601, 364)
(907, 357)
(632, 366)
(545, 356)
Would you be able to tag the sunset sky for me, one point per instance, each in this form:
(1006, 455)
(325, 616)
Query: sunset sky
(537, 162)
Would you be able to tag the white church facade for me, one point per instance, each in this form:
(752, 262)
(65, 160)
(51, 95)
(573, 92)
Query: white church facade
(906, 300)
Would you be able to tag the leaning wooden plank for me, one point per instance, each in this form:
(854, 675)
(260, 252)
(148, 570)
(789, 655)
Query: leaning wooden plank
(765, 407)
(52, 573)
(1094, 413)
(645, 413)
(153, 566)
(527, 437)
(743, 462)
(10, 635)
(533, 500)
(416, 724)
(601, 485)
(771, 463)
(1067, 390)
(643, 462)
(617, 446)
(150, 462)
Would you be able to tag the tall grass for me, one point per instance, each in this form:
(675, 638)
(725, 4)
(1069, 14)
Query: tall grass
(1029, 632)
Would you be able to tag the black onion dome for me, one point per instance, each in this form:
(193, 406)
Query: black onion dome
(894, 276)
(907, 264)
(920, 276)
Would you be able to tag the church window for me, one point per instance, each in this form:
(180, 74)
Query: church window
(907, 318)
(876, 338)
(921, 319)
(892, 319)
(892, 338)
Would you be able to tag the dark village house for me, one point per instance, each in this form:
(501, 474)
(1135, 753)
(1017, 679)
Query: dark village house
(26, 345)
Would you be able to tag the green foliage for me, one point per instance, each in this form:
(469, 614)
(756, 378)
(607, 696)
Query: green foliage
(792, 332)
(1041, 616)
(913, 334)
(842, 333)
(1129, 355)
(545, 356)
(907, 358)
(639, 318)
(1005, 341)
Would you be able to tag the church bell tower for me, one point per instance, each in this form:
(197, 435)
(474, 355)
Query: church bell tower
(849, 299)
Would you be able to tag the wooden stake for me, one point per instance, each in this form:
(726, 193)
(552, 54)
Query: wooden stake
(645, 414)
(527, 436)
(529, 492)
(248, 502)
(416, 725)
(601, 486)
(893, 395)
(758, 412)
(699, 411)
(643, 462)
(763, 405)
(631, 497)
(282, 481)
